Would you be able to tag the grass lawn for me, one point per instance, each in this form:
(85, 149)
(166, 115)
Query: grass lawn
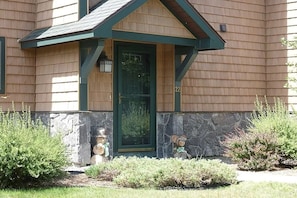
(242, 190)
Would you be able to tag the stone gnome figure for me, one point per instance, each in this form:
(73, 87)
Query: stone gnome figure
(179, 147)
(101, 149)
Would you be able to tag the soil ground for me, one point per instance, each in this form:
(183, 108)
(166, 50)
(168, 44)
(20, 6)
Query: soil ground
(77, 177)
(82, 180)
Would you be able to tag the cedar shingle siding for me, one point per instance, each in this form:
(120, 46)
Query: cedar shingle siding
(55, 12)
(229, 80)
(17, 18)
(252, 63)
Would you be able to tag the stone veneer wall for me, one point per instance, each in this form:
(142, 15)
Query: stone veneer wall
(204, 131)
(79, 131)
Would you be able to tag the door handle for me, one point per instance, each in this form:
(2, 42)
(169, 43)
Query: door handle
(120, 98)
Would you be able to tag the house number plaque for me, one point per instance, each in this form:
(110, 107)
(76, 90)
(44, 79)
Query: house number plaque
(177, 89)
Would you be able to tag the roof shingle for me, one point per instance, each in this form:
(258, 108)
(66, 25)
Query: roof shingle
(99, 23)
(89, 22)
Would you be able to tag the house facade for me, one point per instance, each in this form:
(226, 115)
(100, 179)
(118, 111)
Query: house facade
(190, 68)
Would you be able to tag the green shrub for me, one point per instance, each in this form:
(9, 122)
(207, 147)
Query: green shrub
(149, 172)
(135, 122)
(28, 154)
(271, 138)
(253, 151)
(194, 174)
(277, 119)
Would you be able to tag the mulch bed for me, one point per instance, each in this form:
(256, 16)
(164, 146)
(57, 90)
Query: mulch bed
(81, 180)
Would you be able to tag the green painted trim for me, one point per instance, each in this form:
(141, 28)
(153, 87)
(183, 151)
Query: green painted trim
(177, 87)
(153, 92)
(217, 42)
(132, 36)
(104, 30)
(56, 40)
(181, 70)
(208, 44)
(197, 18)
(214, 36)
(92, 57)
(82, 8)
(216, 45)
(129, 8)
(137, 154)
(89, 53)
(115, 99)
(116, 77)
(177, 96)
(204, 44)
(2, 65)
(182, 50)
(83, 97)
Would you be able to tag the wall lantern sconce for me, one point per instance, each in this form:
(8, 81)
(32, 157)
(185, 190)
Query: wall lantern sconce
(104, 64)
(223, 27)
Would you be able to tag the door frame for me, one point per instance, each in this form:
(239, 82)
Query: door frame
(145, 151)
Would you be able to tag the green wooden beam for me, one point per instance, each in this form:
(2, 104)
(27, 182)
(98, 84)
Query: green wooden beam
(177, 96)
(198, 19)
(114, 19)
(180, 70)
(92, 57)
(153, 38)
(83, 97)
(216, 40)
(104, 29)
(56, 40)
(182, 50)
(186, 64)
(82, 8)
(177, 88)
(209, 44)
(89, 53)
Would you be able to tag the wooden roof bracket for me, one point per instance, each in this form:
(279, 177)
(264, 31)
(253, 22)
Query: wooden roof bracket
(90, 51)
(180, 70)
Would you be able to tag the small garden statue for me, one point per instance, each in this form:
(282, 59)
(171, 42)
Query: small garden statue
(179, 147)
(101, 149)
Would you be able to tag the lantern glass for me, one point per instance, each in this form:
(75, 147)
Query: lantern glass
(105, 65)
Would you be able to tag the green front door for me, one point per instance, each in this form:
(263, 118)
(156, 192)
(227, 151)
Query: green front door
(135, 99)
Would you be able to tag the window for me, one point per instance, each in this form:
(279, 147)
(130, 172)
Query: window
(94, 3)
(88, 6)
(2, 64)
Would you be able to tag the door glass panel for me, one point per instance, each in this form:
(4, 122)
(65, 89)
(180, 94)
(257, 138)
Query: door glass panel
(135, 122)
(134, 99)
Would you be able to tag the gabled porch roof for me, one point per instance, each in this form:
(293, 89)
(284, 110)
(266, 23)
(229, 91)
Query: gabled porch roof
(99, 23)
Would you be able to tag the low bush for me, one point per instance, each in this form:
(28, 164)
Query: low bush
(279, 120)
(149, 172)
(253, 151)
(28, 154)
(270, 139)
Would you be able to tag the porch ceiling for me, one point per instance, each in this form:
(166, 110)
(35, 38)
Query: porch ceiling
(99, 23)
